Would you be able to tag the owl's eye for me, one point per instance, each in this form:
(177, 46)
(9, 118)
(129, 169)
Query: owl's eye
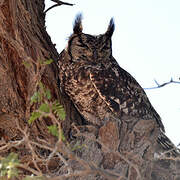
(80, 45)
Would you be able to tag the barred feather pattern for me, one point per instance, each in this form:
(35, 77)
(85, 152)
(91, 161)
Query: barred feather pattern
(98, 86)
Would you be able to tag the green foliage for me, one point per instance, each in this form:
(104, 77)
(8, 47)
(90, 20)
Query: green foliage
(48, 94)
(53, 129)
(35, 98)
(39, 63)
(8, 166)
(34, 116)
(59, 110)
(49, 61)
(58, 132)
(40, 95)
(27, 64)
(46, 62)
(43, 91)
(44, 108)
(41, 99)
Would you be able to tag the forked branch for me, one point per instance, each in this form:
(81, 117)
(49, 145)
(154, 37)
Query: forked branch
(164, 84)
(58, 3)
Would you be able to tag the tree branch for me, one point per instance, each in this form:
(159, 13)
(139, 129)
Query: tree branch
(162, 85)
(58, 3)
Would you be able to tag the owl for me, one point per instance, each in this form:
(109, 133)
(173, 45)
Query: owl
(96, 84)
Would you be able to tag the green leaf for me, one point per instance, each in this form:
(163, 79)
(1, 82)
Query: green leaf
(48, 94)
(59, 110)
(44, 108)
(40, 61)
(8, 166)
(46, 62)
(49, 61)
(35, 98)
(34, 116)
(53, 129)
(41, 85)
(27, 64)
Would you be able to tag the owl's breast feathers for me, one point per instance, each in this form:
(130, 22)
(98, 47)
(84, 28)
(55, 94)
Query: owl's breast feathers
(102, 89)
(122, 93)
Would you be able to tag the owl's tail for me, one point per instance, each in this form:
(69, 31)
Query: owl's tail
(167, 146)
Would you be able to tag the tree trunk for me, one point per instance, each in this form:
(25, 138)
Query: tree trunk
(24, 46)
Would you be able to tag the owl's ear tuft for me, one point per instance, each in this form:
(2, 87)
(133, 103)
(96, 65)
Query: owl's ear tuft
(111, 28)
(77, 28)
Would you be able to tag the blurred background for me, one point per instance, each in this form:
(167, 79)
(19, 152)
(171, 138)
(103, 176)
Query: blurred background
(146, 43)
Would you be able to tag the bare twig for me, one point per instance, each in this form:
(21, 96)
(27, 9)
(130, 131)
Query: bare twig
(164, 84)
(11, 144)
(58, 3)
(27, 141)
(109, 150)
(33, 171)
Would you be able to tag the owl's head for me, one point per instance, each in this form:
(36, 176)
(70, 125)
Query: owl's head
(86, 47)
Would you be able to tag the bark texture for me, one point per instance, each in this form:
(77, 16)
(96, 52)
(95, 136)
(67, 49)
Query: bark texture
(24, 40)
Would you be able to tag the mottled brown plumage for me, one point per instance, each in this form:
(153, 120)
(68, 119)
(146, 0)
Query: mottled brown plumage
(95, 82)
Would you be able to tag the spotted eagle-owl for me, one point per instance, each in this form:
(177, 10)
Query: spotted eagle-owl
(95, 82)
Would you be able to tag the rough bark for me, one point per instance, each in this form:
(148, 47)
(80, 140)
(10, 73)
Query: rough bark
(23, 38)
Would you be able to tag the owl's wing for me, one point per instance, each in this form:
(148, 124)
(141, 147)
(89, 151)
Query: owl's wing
(122, 93)
(167, 145)
(106, 86)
